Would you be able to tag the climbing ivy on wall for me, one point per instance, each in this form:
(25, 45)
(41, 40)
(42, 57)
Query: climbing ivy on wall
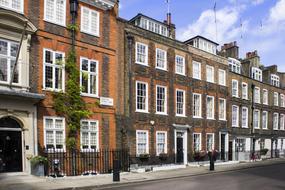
(69, 103)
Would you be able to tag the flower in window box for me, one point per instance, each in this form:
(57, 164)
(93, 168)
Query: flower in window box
(163, 156)
(144, 156)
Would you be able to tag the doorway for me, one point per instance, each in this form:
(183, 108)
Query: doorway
(179, 150)
(10, 146)
(223, 146)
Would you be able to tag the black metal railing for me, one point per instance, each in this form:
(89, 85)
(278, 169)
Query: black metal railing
(76, 162)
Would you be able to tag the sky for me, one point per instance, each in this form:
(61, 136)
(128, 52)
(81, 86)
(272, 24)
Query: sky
(254, 24)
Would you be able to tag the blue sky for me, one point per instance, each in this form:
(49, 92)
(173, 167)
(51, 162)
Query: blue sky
(263, 23)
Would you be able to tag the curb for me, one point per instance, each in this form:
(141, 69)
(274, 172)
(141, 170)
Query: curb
(123, 184)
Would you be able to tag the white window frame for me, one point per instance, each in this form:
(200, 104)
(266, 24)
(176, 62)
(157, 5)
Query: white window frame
(165, 101)
(237, 116)
(256, 74)
(257, 95)
(275, 80)
(244, 91)
(244, 124)
(213, 143)
(265, 97)
(225, 109)
(21, 10)
(178, 57)
(200, 105)
(165, 59)
(53, 68)
(210, 115)
(165, 142)
(210, 74)
(258, 119)
(89, 131)
(89, 22)
(54, 133)
(9, 58)
(194, 72)
(265, 124)
(146, 54)
(147, 142)
(200, 142)
(63, 23)
(89, 74)
(282, 122)
(282, 100)
(146, 98)
(222, 77)
(235, 65)
(184, 103)
(275, 127)
(235, 89)
(276, 99)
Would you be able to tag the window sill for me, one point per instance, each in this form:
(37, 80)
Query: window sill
(212, 119)
(52, 22)
(235, 126)
(89, 95)
(177, 115)
(197, 117)
(181, 74)
(162, 69)
(89, 33)
(53, 90)
(143, 64)
(196, 78)
(235, 96)
(223, 120)
(212, 82)
(159, 113)
(141, 111)
(243, 127)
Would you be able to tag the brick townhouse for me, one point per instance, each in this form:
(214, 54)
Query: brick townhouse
(28, 121)
(257, 105)
(175, 93)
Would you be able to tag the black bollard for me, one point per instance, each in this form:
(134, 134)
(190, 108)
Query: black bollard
(116, 170)
(212, 161)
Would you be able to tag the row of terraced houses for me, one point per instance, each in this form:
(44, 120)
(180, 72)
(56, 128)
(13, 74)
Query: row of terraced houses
(162, 99)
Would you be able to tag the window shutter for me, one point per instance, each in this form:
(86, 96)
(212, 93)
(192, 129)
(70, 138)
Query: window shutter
(94, 25)
(60, 11)
(84, 19)
(49, 9)
(17, 5)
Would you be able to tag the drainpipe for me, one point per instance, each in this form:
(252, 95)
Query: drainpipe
(73, 12)
(130, 40)
(252, 116)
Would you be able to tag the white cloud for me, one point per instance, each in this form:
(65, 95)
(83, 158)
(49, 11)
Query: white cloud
(228, 25)
(277, 13)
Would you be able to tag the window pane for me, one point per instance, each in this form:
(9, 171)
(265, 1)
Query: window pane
(93, 84)
(49, 138)
(14, 49)
(60, 11)
(94, 22)
(49, 9)
(3, 48)
(3, 69)
(58, 78)
(48, 77)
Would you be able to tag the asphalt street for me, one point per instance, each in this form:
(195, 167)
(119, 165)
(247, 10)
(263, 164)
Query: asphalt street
(261, 178)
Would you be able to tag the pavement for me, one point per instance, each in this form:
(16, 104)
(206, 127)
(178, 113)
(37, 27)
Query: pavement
(15, 181)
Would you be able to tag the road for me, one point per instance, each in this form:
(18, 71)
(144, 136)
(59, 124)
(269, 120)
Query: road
(261, 178)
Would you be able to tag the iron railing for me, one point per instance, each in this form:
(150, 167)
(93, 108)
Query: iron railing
(76, 162)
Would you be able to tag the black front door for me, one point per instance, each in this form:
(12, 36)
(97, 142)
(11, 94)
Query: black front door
(179, 150)
(10, 151)
(223, 143)
(231, 150)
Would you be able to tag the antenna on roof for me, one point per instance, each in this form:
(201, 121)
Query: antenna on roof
(168, 6)
(215, 12)
(241, 25)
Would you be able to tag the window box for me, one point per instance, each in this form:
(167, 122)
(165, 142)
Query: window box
(163, 156)
(144, 157)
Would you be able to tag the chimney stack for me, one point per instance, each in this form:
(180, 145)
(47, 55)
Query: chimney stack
(230, 50)
(168, 19)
